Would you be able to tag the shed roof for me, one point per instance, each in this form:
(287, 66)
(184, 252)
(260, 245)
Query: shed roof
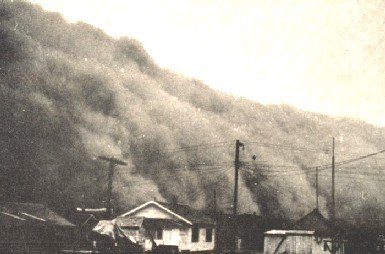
(289, 232)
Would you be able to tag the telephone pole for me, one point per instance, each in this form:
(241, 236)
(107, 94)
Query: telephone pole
(333, 217)
(238, 144)
(113, 161)
(316, 188)
(215, 202)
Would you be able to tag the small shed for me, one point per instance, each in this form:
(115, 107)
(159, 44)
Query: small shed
(323, 232)
(296, 241)
(288, 241)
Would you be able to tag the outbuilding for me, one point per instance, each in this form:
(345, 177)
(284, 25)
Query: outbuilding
(296, 241)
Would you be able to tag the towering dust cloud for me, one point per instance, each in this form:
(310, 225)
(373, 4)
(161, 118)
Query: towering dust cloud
(70, 93)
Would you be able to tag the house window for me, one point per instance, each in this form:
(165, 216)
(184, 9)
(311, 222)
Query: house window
(158, 234)
(209, 234)
(195, 235)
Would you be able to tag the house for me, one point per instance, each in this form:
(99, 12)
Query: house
(323, 231)
(314, 221)
(169, 224)
(31, 227)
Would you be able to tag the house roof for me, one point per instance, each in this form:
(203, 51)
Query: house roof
(193, 215)
(32, 212)
(9, 219)
(182, 212)
(314, 221)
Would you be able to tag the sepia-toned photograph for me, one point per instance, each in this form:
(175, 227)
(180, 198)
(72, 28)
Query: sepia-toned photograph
(192, 126)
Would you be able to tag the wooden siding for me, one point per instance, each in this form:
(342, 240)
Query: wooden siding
(299, 244)
(200, 245)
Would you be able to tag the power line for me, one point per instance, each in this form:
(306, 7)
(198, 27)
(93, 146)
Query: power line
(279, 174)
(341, 163)
(222, 144)
(286, 147)
(268, 165)
(181, 176)
(344, 162)
(194, 147)
(359, 178)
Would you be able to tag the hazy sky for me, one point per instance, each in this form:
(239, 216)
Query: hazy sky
(323, 56)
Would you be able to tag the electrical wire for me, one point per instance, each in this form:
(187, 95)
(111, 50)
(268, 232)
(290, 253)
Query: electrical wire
(287, 147)
(289, 173)
(359, 178)
(195, 147)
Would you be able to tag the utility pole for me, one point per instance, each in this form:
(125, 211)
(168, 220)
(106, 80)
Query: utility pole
(333, 217)
(113, 161)
(216, 219)
(238, 144)
(316, 187)
(215, 208)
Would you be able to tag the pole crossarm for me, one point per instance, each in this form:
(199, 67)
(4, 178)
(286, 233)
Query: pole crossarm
(112, 161)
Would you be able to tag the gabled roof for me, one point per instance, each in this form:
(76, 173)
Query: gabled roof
(193, 215)
(160, 207)
(182, 212)
(32, 212)
(314, 221)
(9, 219)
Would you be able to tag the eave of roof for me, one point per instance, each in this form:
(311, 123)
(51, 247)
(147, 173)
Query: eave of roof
(34, 212)
(158, 205)
(289, 232)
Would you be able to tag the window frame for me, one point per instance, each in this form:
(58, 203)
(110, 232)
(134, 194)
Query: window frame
(194, 234)
(158, 234)
(209, 235)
